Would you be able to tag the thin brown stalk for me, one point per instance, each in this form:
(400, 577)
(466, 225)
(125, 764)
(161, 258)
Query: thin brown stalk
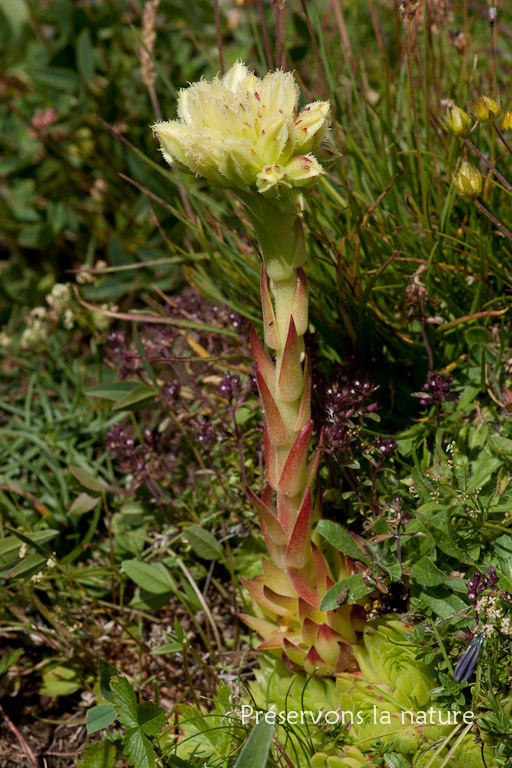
(503, 139)
(111, 546)
(415, 116)
(218, 31)
(488, 163)
(315, 48)
(30, 755)
(380, 43)
(264, 33)
(493, 75)
(279, 22)
(493, 219)
(345, 39)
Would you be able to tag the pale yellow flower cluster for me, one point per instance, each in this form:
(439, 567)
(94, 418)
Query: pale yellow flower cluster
(243, 132)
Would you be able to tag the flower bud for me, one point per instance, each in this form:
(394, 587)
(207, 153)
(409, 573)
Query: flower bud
(271, 179)
(457, 121)
(507, 121)
(303, 170)
(486, 110)
(468, 180)
(312, 126)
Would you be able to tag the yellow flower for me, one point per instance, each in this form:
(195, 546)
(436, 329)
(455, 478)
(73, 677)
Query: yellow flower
(468, 180)
(243, 132)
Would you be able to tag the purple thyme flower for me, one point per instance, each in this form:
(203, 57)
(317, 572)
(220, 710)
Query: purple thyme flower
(385, 445)
(437, 389)
(229, 387)
(171, 392)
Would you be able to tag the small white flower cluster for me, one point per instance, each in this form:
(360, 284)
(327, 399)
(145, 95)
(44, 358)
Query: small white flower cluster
(494, 614)
(85, 275)
(59, 297)
(5, 340)
(37, 328)
(102, 322)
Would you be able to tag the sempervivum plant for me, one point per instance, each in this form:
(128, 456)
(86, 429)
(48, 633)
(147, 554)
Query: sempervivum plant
(247, 134)
(374, 709)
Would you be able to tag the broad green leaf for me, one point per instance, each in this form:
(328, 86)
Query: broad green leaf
(100, 717)
(17, 14)
(85, 55)
(503, 551)
(341, 539)
(125, 701)
(58, 78)
(347, 590)
(427, 574)
(255, 751)
(203, 543)
(483, 469)
(139, 748)
(101, 755)
(153, 577)
(83, 503)
(169, 648)
(9, 659)
(140, 397)
(150, 718)
(148, 601)
(112, 390)
(61, 680)
(443, 603)
(478, 335)
(28, 566)
(176, 762)
(12, 543)
(107, 672)
(87, 480)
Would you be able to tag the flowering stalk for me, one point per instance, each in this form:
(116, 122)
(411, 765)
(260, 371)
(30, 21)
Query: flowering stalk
(246, 134)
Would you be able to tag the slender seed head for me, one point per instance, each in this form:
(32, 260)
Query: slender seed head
(468, 180)
(457, 121)
(486, 109)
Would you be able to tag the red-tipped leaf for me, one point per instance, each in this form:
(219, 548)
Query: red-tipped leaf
(262, 360)
(290, 383)
(297, 551)
(273, 420)
(293, 476)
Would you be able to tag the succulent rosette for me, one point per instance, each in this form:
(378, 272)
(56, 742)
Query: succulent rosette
(373, 704)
